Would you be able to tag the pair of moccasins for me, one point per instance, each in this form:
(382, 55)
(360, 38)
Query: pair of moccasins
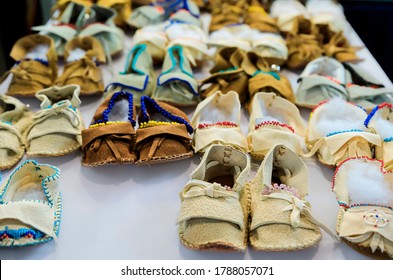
(220, 210)
(30, 205)
(54, 130)
(339, 130)
(163, 134)
(245, 73)
(325, 78)
(309, 36)
(36, 65)
(226, 13)
(81, 18)
(273, 120)
(175, 85)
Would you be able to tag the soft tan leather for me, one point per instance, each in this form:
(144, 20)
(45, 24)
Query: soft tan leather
(226, 14)
(257, 18)
(163, 142)
(339, 48)
(122, 7)
(111, 143)
(84, 71)
(30, 76)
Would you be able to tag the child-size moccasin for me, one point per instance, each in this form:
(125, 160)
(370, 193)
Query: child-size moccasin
(155, 39)
(225, 14)
(192, 38)
(82, 56)
(364, 192)
(163, 134)
(227, 74)
(30, 206)
(35, 67)
(304, 43)
(138, 76)
(322, 79)
(110, 139)
(364, 89)
(380, 121)
(270, 47)
(270, 81)
(62, 27)
(56, 128)
(286, 13)
(213, 213)
(257, 18)
(281, 217)
(217, 121)
(98, 22)
(336, 132)
(274, 120)
(15, 118)
(232, 36)
(176, 84)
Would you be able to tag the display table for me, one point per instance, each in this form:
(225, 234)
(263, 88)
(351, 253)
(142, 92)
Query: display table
(129, 212)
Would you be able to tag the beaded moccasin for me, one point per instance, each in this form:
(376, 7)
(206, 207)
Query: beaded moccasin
(163, 134)
(110, 139)
(30, 206)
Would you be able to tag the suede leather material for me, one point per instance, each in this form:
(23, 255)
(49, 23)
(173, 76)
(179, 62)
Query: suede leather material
(108, 144)
(30, 76)
(84, 72)
(339, 48)
(271, 226)
(15, 119)
(257, 18)
(267, 83)
(235, 80)
(226, 58)
(30, 199)
(122, 7)
(174, 141)
(224, 14)
(144, 16)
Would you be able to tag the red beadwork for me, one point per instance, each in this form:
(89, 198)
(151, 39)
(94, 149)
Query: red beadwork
(267, 123)
(225, 124)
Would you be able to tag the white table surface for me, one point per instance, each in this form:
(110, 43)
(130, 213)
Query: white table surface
(129, 212)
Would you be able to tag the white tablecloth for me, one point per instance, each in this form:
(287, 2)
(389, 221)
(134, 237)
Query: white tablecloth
(129, 212)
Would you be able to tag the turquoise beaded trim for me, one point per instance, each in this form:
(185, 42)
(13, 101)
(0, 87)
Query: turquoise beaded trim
(138, 50)
(272, 73)
(20, 233)
(228, 70)
(343, 131)
(179, 50)
(388, 139)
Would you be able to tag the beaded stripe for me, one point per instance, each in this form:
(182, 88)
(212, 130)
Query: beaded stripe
(274, 123)
(145, 116)
(20, 233)
(279, 188)
(116, 96)
(343, 131)
(154, 123)
(224, 124)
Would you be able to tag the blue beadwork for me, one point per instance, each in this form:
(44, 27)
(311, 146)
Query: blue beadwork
(343, 131)
(20, 233)
(370, 116)
(114, 98)
(42, 61)
(272, 73)
(145, 116)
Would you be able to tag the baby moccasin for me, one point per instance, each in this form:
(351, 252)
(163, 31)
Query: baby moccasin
(217, 121)
(36, 65)
(281, 217)
(163, 134)
(110, 139)
(176, 85)
(214, 202)
(56, 128)
(336, 132)
(257, 18)
(274, 120)
(30, 206)
(82, 56)
(323, 79)
(380, 121)
(364, 89)
(155, 40)
(364, 193)
(138, 76)
(269, 46)
(15, 118)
